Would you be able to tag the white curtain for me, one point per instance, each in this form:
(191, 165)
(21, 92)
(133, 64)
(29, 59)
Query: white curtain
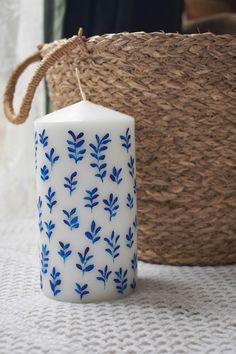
(21, 28)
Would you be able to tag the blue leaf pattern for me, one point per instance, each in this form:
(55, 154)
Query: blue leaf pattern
(44, 259)
(35, 150)
(96, 198)
(75, 147)
(44, 173)
(104, 275)
(113, 246)
(51, 158)
(84, 259)
(72, 219)
(129, 238)
(111, 205)
(98, 155)
(50, 199)
(135, 186)
(92, 198)
(133, 284)
(64, 252)
(126, 140)
(93, 234)
(131, 166)
(121, 280)
(115, 175)
(43, 138)
(70, 182)
(82, 290)
(130, 201)
(134, 262)
(55, 281)
(39, 207)
(49, 228)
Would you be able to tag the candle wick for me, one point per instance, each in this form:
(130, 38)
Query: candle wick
(79, 83)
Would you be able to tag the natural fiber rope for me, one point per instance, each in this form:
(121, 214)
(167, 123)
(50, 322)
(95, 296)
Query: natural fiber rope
(82, 94)
(10, 90)
(45, 64)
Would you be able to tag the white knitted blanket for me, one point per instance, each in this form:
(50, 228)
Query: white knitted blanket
(174, 310)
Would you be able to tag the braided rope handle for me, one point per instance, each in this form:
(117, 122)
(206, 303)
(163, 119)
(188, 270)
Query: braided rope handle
(44, 65)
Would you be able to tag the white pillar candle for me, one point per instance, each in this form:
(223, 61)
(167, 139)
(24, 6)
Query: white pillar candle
(85, 174)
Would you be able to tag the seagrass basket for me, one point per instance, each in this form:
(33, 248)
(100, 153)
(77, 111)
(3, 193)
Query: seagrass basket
(182, 91)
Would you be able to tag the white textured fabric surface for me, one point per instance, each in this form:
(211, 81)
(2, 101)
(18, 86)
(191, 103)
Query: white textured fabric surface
(174, 310)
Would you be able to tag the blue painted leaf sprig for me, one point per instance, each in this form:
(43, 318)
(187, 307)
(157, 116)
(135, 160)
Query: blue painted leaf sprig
(115, 175)
(50, 196)
(135, 186)
(44, 173)
(130, 238)
(55, 281)
(51, 158)
(72, 219)
(93, 234)
(82, 290)
(75, 147)
(43, 138)
(133, 284)
(121, 280)
(134, 262)
(113, 246)
(91, 197)
(111, 205)
(35, 150)
(126, 140)
(49, 228)
(104, 275)
(130, 201)
(71, 183)
(39, 207)
(44, 259)
(131, 166)
(99, 156)
(84, 259)
(64, 251)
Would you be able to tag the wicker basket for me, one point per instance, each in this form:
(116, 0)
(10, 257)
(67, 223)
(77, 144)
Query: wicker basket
(182, 92)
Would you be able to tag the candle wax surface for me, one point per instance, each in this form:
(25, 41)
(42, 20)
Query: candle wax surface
(86, 201)
(85, 111)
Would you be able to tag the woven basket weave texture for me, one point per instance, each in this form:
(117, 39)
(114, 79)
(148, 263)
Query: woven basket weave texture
(182, 92)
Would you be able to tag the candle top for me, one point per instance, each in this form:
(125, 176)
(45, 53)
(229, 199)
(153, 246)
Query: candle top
(84, 111)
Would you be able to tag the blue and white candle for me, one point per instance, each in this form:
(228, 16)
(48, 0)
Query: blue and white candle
(86, 200)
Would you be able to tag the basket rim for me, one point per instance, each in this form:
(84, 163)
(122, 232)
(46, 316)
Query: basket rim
(142, 34)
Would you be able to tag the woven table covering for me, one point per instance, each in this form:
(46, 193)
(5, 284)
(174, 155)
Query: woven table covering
(174, 310)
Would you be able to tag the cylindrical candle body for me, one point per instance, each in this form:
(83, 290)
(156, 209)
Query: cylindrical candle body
(86, 186)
